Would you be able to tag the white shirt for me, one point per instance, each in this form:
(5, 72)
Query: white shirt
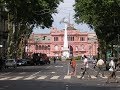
(112, 64)
(100, 62)
(86, 63)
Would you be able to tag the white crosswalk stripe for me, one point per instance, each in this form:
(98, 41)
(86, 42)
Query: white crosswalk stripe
(93, 77)
(16, 78)
(78, 76)
(42, 77)
(47, 77)
(104, 76)
(5, 78)
(67, 77)
(29, 78)
(118, 76)
(55, 77)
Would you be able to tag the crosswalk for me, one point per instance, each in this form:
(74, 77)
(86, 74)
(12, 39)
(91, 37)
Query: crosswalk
(47, 77)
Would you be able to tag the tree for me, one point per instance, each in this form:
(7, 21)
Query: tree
(23, 15)
(102, 15)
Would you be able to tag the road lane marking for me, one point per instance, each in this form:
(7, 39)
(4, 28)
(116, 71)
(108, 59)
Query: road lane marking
(29, 78)
(117, 76)
(22, 73)
(5, 78)
(5, 73)
(55, 77)
(104, 76)
(67, 77)
(52, 72)
(16, 78)
(78, 76)
(42, 77)
(34, 74)
(58, 66)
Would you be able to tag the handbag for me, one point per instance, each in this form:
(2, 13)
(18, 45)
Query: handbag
(111, 69)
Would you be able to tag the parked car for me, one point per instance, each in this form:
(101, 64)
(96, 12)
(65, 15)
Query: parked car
(23, 62)
(10, 63)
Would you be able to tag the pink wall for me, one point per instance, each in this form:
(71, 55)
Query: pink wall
(79, 41)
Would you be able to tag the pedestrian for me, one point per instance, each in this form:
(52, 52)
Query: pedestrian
(73, 66)
(112, 71)
(95, 63)
(100, 64)
(85, 68)
(54, 59)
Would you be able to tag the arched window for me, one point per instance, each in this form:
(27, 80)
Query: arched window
(48, 47)
(45, 47)
(82, 47)
(76, 48)
(56, 54)
(56, 48)
(40, 48)
(36, 47)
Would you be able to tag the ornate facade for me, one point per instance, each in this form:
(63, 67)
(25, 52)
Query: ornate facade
(80, 43)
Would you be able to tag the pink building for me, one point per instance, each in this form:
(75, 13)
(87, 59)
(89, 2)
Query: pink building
(80, 43)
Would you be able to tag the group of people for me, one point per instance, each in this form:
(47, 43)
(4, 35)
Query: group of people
(100, 64)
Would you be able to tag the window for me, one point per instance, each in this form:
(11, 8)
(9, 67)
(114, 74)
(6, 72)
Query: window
(82, 39)
(55, 38)
(36, 47)
(70, 38)
(40, 47)
(48, 47)
(82, 47)
(76, 48)
(56, 48)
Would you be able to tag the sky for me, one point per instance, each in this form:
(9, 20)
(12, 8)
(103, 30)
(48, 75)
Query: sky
(66, 10)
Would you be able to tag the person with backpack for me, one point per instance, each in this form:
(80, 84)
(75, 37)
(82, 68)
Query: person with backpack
(112, 72)
(86, 67)
(100, 64)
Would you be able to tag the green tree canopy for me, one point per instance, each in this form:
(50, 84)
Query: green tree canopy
(103, 16)
(31, 12)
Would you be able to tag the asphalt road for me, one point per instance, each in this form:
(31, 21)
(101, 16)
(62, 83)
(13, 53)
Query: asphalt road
(53, 77)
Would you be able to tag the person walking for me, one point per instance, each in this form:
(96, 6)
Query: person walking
(86, 67)
(112, 72)
(54, 59)
(73, 66)
(100, 64)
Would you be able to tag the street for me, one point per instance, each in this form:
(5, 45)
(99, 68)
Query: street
(53, 77)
